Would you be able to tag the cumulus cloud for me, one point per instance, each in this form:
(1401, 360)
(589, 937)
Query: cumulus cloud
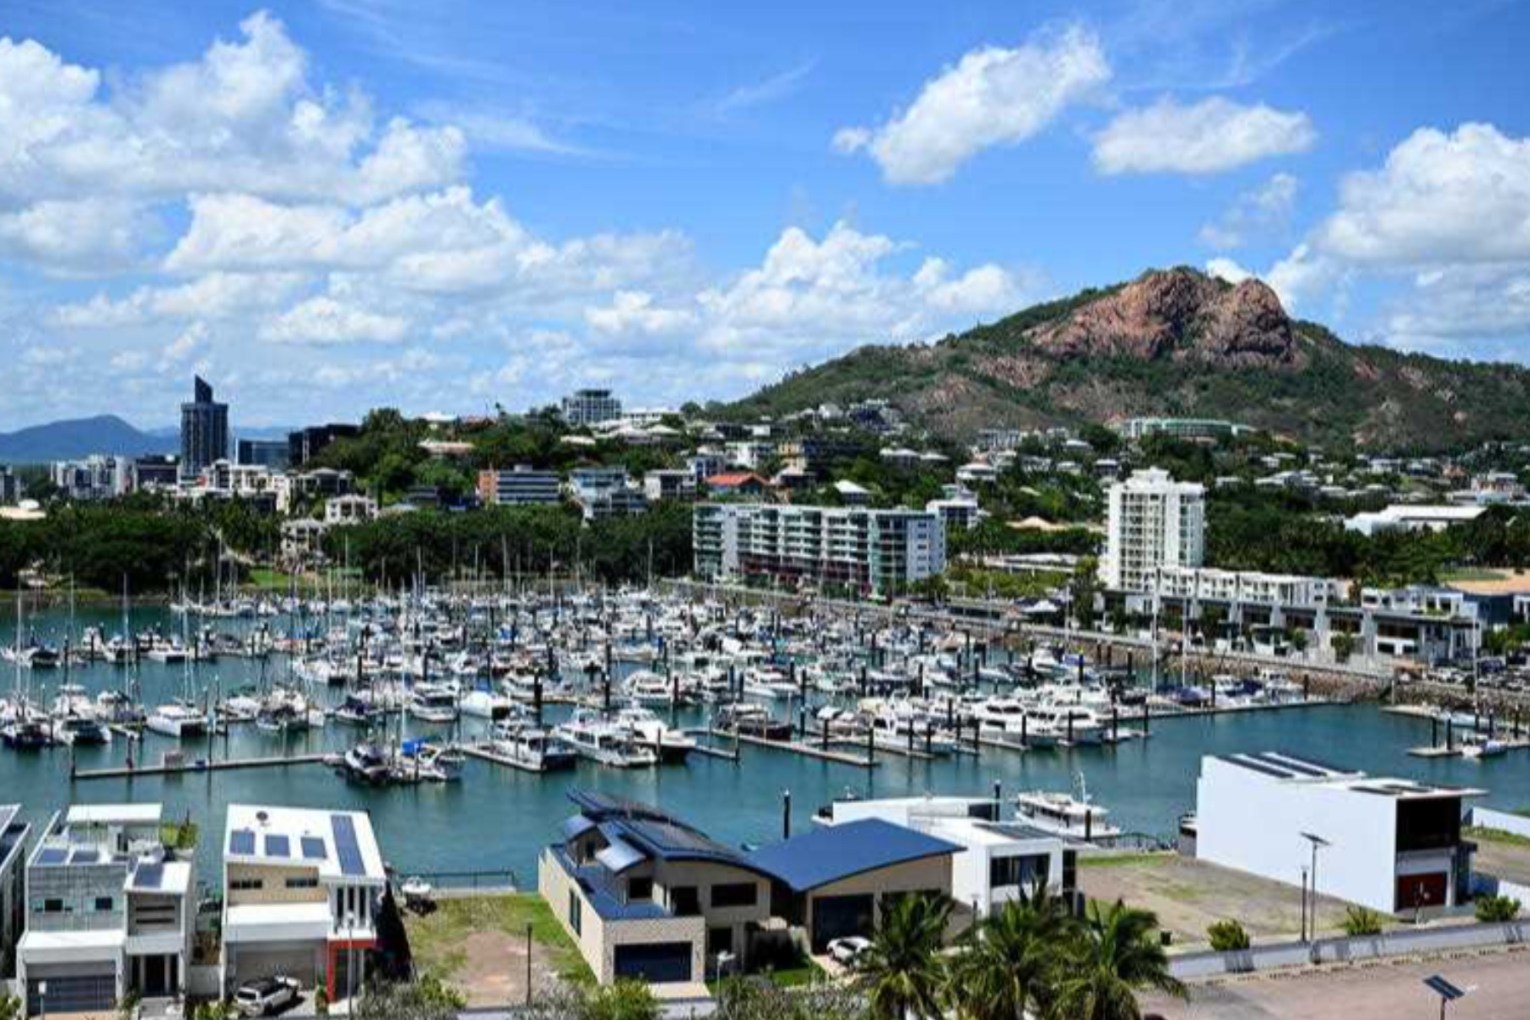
(215, 295)
(325, 320)
(1210, 136)
(634, 311)
(90, 235)
(991, 97)
(1227, 269)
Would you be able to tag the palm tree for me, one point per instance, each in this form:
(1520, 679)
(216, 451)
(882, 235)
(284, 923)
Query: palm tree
(901, 973)
(1010, 961)
(1117, 953)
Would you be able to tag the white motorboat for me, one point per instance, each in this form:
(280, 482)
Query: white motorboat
(602, 740)
(178, 720)
(485, 704)
(75, 719)
(671, 745)
(1064, 814)
(648, 688)
(532, 746)
(433, 703)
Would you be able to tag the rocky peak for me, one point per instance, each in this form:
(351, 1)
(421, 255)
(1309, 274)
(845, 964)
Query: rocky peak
(1181, 314)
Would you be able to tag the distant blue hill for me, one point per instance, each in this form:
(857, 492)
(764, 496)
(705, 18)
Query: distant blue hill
(80, 437)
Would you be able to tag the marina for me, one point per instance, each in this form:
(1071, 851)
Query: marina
(469, 714)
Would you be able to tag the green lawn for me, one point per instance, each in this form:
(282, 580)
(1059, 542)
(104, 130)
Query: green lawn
(436, 939)
(1121, 860)
(1497, 836)
(1473, 574)
(802, 973)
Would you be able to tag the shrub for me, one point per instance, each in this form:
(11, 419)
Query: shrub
(1228, 936)
(1362, 921)
(1497, 909)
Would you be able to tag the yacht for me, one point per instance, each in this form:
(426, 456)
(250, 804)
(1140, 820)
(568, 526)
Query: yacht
(486, 704)
(75, 719)
(117, 708)
(750, 720)
(1071, 724)
(602, 740)
(32, 656)
(178, 720)
(671, 745)
(1064, 814)
(428, 761)
(357, 711)
(768, 683)
(648, 688)
(433, 703)
(1007, 720)
(1480, 745)
(167, 650)
(366, 763)
(23, 727)
(532, 746)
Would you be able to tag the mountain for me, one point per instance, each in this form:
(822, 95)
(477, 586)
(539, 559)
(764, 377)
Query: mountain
(80, 437)
(1172, 342)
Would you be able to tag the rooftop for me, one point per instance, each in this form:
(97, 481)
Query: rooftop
(1288, 768)
(339, 844)
(635, 832)
(838, 852)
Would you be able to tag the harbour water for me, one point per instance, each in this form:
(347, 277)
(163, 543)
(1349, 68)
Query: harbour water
(497, 818)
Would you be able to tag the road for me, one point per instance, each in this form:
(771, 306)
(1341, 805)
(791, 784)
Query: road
(1498, 983)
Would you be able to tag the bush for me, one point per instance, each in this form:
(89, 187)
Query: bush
(1362, 921)
(624, 1000)
(1497, 909)
(1227, 936)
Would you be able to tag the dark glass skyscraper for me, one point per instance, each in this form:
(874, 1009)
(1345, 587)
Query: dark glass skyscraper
(204, 430)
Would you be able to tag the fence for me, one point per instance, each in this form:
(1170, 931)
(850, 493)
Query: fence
(1405, 942)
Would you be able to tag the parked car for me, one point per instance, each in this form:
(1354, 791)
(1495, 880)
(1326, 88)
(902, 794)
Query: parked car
(848, 949)
(266, 996)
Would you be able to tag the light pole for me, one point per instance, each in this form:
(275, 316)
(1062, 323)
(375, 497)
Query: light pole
(42, 995)
(528, 963)
(1317, 843)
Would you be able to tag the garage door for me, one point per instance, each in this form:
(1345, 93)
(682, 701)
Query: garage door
(1421, 890)
(835, 917)
(293, 962)
(662, 961)
(74, 993)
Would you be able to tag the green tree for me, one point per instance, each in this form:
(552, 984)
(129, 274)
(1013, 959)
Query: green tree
(10, 1007)
(1360, 921)
(1118, 953)
(624, 1000)
(901, 973)
(1496, 909)
(1227, 936)
(1008, 964)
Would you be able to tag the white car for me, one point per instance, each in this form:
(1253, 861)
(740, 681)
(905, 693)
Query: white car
(848, 949)
(266, 996)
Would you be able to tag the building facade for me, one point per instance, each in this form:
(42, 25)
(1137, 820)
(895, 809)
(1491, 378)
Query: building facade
(11, 487)
(591, 407)
(1387, 844)
(204, 430)
(271, 453)
(878, 552)
(521, 486)
(306, 444)
(13, 848)
(1153, 522)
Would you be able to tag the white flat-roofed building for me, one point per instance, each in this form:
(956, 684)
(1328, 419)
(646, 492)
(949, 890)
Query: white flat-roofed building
(669, 483)
(873, 551)
(1002, 860)
(1153, 521)
(1409, 517)
(1388, 844)
(591, 407)
(109, 911)
(353, 508)
(302, 890)
(1291, 591)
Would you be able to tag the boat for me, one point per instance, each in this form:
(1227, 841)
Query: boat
(1480, 745)
(602, 740)
(75, 719)
(117, 708)
(486, 704)
(357, 711)
(25, 728)
(671, 745)
(366, 763)
(178, 720)
(532, 746)
(428, 761)
(750, 720)
(1064, 814)
(1007, 721)
(166, 650)
(433, 703)
(650, 689)
(1070, 724)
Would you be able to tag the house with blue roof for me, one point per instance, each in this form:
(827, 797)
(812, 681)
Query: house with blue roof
(646, 895)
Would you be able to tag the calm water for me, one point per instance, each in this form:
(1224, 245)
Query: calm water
(497, 817)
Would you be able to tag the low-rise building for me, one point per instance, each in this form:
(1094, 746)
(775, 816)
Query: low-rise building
(1413, 517)
(1387, 844)
(669, 484)
(591, 407)
(521, 486)
(301, 895)
(1292, 591)
(13, 872)
(109, 911)
(353, 508)
(1001, 861)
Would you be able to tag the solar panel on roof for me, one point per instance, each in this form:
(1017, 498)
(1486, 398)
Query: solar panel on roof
(277, 845)
(241, 841)
(53, 855)
(347, 849)
(1296, 765)
(149, 876)
(85, 855)
(620, 855)
(1255, 765)
(313, 848)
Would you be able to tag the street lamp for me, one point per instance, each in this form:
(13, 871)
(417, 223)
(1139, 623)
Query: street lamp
(1318, 843)
(42, 995)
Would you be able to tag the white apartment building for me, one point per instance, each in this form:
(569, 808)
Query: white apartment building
(1290, 591)
(1153, 522)
(958, 508)
(1387, 844)
(352, 508)
(669, 483)
(109, 911)
(1000, 860)
(301, 892)
(874, 551)
(591, 407)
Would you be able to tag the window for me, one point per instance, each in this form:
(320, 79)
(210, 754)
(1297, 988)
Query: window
(735, 894)
(719, 940)
(245, 884)
(303, 882)
(1024, 870)
(48, 906)
(104, 904)
(684, 901)
(639, 889)
(575, 913)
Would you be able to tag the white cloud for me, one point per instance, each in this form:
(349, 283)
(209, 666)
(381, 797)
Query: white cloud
(991, 97)
(1207, 137)
(1227, 269)
(1262, 210)
(761, 93)
(634, 311)
(213, 296)
(191, 342)
(85, 236)
(1439, 198)
(325, 320)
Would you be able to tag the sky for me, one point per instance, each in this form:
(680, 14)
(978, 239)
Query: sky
(454, 206)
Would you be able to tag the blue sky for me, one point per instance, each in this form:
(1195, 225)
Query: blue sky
(334, 205)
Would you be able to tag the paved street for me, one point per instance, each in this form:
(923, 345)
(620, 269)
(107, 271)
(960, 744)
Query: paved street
(1499, 984)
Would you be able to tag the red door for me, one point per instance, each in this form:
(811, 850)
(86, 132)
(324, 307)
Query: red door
(1427, 890)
